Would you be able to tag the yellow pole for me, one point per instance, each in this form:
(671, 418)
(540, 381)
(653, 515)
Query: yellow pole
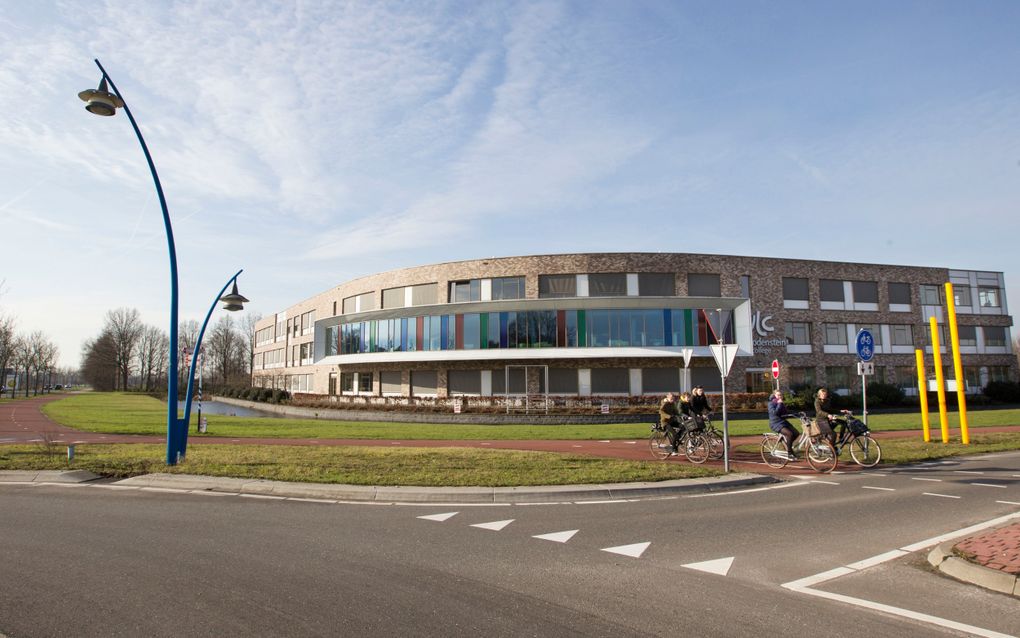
(922, 388)
(940, 380)
(961, 392)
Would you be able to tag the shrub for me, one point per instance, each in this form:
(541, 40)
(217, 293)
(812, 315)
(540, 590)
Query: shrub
(1003, 391)
(884, 394)
(278, 395)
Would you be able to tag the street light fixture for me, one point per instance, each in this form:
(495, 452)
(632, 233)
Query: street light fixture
(101, 101)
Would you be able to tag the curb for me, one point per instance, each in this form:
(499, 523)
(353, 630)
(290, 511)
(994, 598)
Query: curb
(400, 494)
(946, 561)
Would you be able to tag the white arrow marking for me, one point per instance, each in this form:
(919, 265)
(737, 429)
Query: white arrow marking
(439, 517)
(720, 566)
(634, 551)
(495, 525)
(558, 537)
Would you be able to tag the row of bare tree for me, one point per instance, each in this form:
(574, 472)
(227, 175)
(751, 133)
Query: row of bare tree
(32, 357)
(128, 354)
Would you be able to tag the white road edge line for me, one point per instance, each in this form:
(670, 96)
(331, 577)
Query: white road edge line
(749, 491)
(804, 585)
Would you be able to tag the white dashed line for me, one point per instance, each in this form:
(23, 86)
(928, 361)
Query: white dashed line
(926, 479)
(884, 489)
(968, 472)
(988, 485)
(1008, 502)
(939, 495)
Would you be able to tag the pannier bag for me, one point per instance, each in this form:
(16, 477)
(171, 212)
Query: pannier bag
(813, 429)
(857, 426)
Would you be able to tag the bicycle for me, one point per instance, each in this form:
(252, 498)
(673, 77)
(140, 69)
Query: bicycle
(820, 454)
(714, 437)
(852, 432)
(693, 443)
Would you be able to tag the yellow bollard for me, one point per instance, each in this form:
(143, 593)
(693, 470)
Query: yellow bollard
(961, 392)
(922, 387)
(940, 379)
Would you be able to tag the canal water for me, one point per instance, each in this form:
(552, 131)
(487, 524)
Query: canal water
(225, 409)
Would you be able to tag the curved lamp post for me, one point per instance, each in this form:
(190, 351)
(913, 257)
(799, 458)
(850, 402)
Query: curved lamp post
(102, 102)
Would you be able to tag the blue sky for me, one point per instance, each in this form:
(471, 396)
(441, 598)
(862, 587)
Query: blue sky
(313, 142)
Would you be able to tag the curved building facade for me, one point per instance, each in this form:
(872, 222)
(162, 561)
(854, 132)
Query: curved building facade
(627, 324)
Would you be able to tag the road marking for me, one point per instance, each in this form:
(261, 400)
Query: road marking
(167, 490)
(781, 486)
(968, 472)
(631, 442)
(1008, 502)
(604, 441)
(804, 585)
(988, 485)
(439, 517)
(825, 482)
(939, 495)
(618, 500)
(117, 487)
(720, 566)
(634, 551)
(265, 497)
(558, 537)
(312, 500)
(495, 525)
(884, 489)
(926, 479)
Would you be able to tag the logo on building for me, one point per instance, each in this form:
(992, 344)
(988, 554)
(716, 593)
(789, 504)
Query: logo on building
(765, 331)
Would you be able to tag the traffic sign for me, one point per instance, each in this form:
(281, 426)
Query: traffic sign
(865, 345)
(724, 354)
(775, 368)
(865, 368)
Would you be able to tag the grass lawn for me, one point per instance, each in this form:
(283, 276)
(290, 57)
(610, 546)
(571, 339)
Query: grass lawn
(119, 413)
(352, 465)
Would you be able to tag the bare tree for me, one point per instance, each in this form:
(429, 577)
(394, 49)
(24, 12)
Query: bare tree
(248, 332)
(42, 358)
(125, 327)
(21, 357)
(153, 351)
(226, 349)
(7, 340)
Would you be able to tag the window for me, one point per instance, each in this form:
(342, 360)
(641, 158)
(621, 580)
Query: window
(660, 380)
(798, 333)
(508, 288)
(875, 330)
(469, 290)
(830, 290)
(424, 294)
(745, 286)
(308, 322)
(795, 289)
(837, 377)
(610, 381)
(708, 378)
(331, 387)
(424, 382)
(607, 285)
(759, 381)
(465, 382)
(995, 336)
(899, 293)
(364, 382)
(835, 334)
(961, 295)
(517, 381)
(931, 295)
(801, 377)
(998, 373)
(390, 382)
(699, 285)
(656, 284)
(391, 298)
(906, 377)
(968, 335)
(901, 335)
(362, 303)
(347, 382)
(988, 297)
(557, 285)
(563, 380)
(865, 292)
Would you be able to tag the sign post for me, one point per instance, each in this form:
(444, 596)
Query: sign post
(775, 372)
(724, 354)
(865, 351)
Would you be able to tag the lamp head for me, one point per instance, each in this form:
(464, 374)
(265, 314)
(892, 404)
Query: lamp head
(100, 101)
(234, 301)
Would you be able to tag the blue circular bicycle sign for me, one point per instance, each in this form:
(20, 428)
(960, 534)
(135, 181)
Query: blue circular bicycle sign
(865, 345)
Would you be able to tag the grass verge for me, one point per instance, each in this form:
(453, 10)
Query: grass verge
(433, 467)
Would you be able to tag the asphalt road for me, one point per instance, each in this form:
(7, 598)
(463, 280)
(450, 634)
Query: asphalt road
(106, 561)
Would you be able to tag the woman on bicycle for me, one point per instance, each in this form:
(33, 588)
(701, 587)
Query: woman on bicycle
(669, 419)
(823, 414)
(779, 424)
(687, 411)
(699, 404)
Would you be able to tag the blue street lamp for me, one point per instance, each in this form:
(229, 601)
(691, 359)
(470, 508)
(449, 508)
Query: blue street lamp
(101, 102)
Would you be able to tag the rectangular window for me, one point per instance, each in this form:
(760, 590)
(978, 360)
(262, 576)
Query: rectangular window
(835, 334)
(472, 336)
(745, 286)
(468, 290)
(968, 335)
(995, 336)
(830, 290)
(931, 295)
(390, 382)
(557, 286)
(703, 285)
(798, 333)
(865, 291)
(347, 382)
(660, 380)
(364, 382)
(465, 382)
(424, 382)
(607, 285)
(391, 298)
(998, 373)
(656, 284)
(899, 293)
(708, 378)
(424, 294)
(610, 381)
(906, 377)
(901, 335)
(795, 289)
(988, 297)
(517, 381)
(961, 295)
(508, 288)
(837, 377)
(563, 381)
(803, 377)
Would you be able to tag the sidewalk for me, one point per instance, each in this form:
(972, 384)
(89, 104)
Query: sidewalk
(989, 559)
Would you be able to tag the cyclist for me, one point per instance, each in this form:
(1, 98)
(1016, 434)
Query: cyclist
(669, 418)
(700, 405)
(687, 412)
(823, 414)
(779, 424)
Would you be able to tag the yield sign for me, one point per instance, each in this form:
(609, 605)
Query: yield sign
(724, 354)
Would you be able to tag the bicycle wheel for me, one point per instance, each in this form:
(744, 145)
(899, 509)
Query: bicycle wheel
(696, 448)
(822, 456)
(659, 444)
(715, 444)
(773, 451)
(865, 451)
